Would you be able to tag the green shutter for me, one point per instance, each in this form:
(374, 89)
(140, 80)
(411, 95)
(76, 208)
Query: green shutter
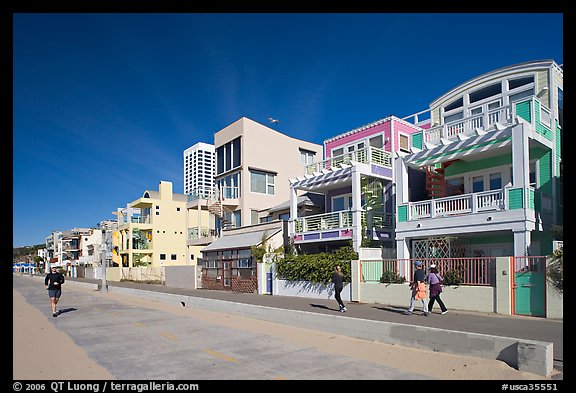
(523, 110)
(402, 213)
(515, 198)
(417, 140)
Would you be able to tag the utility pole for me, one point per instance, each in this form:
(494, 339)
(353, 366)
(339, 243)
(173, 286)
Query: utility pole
(104, 287)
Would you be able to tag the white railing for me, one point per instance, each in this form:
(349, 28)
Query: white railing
(341, 219)
(196, 195)
(458, 204)
(201, 233)
(228, 192)
(379, 219)
(366, 156)
(468, 125)
(317, 222)
(140, 219)
(484, 121)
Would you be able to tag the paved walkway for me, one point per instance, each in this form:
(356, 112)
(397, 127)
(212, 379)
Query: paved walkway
(532, 328)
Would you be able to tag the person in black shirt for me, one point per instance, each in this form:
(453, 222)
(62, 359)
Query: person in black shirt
(53, 282)
(418, 286)
(338, 279)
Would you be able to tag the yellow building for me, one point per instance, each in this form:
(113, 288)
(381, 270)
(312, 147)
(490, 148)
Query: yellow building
(152, 229)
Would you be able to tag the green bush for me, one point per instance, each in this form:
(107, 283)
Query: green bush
(316, 268)
(555, 270)
(392, 277)
(452, 277)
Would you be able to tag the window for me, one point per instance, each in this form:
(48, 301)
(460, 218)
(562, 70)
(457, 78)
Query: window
(342, 202)
(486, 92)
(455, 186)
(337, 152)
(404, 142)
(306, 157)
(454, 104)
(478, 184)
(238, 218)
(496, 181)
(254, 217)
(228, 156)
(262, 182)
(523, 94)
(230, 186)
(514, 83)
(454, 117)
(284, 216)
(173, 257)
(376, 142)
(162, 257)
(532, 175)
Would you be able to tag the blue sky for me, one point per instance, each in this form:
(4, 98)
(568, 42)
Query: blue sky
(105, 104)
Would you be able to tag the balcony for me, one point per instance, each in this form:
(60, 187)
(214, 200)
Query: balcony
(530, 109)
(457, 205)
(368, 155)
(318, 222)
(338, 225)
(508, 198)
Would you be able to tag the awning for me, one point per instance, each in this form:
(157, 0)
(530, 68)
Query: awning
(241, 240)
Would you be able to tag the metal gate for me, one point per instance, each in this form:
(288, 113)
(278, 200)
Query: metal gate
(529, 286)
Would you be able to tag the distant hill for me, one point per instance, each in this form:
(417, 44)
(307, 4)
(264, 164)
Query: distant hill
(19, 252)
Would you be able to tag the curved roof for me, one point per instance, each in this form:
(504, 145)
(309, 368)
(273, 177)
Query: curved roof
(498, 73)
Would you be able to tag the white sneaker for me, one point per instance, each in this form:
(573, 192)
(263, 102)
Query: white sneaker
(444, 312)
(344, 309)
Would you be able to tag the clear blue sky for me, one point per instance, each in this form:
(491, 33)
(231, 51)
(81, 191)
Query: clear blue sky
(105, 104)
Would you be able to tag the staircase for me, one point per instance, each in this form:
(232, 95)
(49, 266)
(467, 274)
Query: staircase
(436, 184)
(215, 207)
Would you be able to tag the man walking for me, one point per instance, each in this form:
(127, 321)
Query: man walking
(53, 282)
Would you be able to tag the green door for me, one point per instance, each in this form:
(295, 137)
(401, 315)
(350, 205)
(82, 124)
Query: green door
(530, 288)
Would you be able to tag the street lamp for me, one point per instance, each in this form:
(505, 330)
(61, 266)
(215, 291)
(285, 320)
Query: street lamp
(104, 287)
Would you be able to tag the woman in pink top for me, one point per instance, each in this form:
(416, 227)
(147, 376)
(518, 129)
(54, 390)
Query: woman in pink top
(435, 279)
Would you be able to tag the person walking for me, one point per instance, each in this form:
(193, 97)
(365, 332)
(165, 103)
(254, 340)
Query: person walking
(418, 286)
(53, 282)
(338, 280)
(435, 281)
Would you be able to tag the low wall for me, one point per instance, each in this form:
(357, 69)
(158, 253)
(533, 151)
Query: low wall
(471, 298)
(180, 276)
(308, 289)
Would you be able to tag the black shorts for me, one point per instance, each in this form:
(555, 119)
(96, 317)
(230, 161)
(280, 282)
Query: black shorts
(54, 293)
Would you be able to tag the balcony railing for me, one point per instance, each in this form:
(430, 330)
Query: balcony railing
(318, 222)
(467, 126)
(341, 219)
(458, 204)
(195, 195)
(140, 219)
(138, 244)
(379, 219)
(367, 155)
(201, 233)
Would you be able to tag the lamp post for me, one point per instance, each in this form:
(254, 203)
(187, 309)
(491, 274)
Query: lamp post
(104, 287)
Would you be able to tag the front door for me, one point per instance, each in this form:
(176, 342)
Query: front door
(530, 286)
(226, 273)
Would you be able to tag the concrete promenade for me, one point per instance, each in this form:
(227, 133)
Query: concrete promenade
(521, 342)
